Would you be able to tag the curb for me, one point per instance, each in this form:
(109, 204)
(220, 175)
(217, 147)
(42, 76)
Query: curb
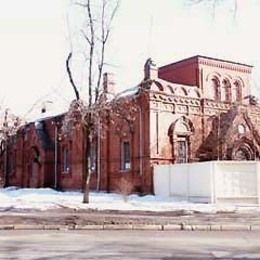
(135, 226)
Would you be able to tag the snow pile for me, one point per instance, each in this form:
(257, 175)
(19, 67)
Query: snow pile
(43, 199)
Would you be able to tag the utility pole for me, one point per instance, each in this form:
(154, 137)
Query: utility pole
(218, 135)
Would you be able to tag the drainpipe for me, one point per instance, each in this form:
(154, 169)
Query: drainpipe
(98, 158)
(218, 135)
(141, 144)
(55, 155)
(141, 139)
(6, 166)
(108, 156)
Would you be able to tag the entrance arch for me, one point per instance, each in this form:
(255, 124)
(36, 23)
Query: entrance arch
(179, 133)
(244, 152)
(242, 155)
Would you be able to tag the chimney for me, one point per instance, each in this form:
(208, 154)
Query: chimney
(43, 108)
(108, 83)
(150, 70)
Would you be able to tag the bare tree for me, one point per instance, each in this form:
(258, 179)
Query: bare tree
(98, 16)
(9, 125)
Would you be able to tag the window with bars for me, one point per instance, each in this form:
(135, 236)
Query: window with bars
(182, 151)
(65, 160)
(93, 156)
(125, 155)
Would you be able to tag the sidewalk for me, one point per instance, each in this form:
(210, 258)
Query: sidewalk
(67, 219)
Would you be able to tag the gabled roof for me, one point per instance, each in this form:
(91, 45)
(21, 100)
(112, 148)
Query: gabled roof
(225, 132)
(227, 124)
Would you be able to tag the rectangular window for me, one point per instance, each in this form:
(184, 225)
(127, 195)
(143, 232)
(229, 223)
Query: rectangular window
(65, 160)
(125, 155)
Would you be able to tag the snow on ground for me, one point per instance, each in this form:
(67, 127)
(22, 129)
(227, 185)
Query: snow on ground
(43, 199)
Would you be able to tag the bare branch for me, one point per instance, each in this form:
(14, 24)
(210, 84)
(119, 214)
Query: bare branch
(104, 37)
(235, 10)
(81, 4)
(113, 13)
(70, 76)
(91, 51)
(86, 37)
(101, 64)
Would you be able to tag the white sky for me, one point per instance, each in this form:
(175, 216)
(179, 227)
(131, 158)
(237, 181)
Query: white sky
(34, 43)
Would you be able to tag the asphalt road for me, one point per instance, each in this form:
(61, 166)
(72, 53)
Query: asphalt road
(124, 245)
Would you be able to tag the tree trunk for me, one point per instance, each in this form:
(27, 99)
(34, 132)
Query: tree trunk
(87, 186)
(6, 181)
(86, 193)
(88, 164)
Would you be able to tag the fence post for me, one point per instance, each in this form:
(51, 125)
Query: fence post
(258, 182)
(213, 181)
(187, 166)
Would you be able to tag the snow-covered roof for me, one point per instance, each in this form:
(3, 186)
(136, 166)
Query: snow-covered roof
(46, 108)
(165, 82)
(128, 92)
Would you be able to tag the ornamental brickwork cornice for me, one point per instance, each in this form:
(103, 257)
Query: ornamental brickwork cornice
(178, 105)
(208, 61)
(159, 97)
(211, 107)
(224, 65)
(216, 105)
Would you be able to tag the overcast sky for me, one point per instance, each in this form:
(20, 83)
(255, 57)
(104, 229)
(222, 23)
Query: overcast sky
(34, 42)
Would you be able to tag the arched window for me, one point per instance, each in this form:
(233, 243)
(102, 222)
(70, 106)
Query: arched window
(36, 155)
(226, 90)
(237, 91)
(214, 91)
(34, 168)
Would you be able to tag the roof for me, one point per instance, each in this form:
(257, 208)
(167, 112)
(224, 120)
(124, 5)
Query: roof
(196, 57)
(128, 92)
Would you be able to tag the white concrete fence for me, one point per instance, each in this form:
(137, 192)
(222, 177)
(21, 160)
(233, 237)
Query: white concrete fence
(210, 182)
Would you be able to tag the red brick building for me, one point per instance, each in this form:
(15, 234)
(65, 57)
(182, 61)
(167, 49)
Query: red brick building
(193, 110)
